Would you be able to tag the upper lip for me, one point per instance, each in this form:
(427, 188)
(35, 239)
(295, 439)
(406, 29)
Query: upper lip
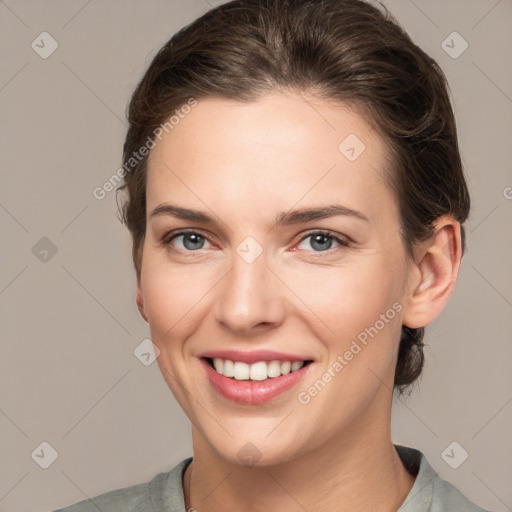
(253, 356)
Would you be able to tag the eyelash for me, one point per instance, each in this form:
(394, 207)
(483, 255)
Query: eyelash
(171, 236)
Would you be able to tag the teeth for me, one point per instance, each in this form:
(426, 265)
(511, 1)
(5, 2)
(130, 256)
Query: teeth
(242, 371)
(297, 365)
(219, 364)
(256, 371)
(229, 368)
(274, 369)
(286, 367)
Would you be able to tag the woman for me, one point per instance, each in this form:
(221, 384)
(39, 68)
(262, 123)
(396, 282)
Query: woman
(296, 198)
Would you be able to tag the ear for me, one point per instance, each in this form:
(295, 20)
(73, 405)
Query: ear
(140, 301)
(433, 273)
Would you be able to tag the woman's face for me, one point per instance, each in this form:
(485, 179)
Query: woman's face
(242, 283)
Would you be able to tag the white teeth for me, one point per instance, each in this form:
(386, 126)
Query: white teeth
(274, 369)
(229, 368)
(241, 371)
(297, 365)
(286, 367)
(256, 371)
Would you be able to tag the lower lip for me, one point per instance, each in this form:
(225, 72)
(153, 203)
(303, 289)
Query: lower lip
(252, 392)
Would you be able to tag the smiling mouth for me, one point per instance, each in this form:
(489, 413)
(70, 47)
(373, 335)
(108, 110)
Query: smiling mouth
(258, 371)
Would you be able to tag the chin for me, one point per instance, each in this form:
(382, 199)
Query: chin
(255, 451)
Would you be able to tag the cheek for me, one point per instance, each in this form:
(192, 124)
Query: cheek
(347, 299)
(173, 296)
(362, 310)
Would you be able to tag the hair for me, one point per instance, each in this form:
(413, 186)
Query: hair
(347, 51)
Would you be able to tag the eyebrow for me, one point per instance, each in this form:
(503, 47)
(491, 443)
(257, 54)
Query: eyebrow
(288, 218)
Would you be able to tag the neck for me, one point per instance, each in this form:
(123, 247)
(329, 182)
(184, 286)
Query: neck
(358, 470)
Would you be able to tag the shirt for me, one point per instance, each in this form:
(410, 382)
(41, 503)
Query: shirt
(164, 493)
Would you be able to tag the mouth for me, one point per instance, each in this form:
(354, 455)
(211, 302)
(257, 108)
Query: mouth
(258, 371)
(256, 383)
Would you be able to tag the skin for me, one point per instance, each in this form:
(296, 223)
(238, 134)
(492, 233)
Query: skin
(245, 163)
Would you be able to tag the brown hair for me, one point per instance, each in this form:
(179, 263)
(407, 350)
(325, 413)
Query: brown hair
(343, 50)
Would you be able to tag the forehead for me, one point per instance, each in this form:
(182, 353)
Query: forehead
(275, 152)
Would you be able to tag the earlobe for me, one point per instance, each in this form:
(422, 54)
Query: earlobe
(140, 302)
(435, 274)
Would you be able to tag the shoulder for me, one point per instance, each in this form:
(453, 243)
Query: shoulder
(431, 493)
(135, 497)
(446, 497)
(163, 493)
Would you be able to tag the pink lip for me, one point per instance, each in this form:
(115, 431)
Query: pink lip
(252, 392)
(254, 356)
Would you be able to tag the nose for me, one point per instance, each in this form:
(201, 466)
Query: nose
(250, 297)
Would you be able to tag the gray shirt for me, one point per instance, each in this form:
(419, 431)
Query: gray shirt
(164, 493)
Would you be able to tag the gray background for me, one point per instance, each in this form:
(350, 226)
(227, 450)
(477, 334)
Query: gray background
(69, 325)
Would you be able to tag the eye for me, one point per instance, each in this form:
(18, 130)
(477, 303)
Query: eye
(191, 240)
(321, 241)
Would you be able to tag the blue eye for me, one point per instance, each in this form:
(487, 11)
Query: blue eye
(192, 241)
(321, 241)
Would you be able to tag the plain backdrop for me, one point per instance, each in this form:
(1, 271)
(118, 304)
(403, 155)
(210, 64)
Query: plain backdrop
(69, 377)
